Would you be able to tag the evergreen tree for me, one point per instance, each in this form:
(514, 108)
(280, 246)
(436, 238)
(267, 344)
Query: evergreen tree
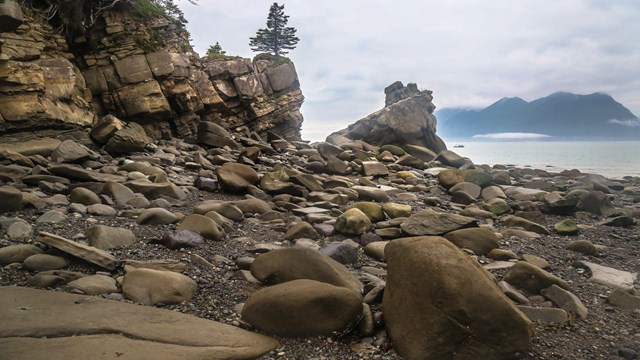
(215, 50)
(277, 37)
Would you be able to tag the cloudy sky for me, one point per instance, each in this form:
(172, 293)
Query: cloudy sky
(469, 52)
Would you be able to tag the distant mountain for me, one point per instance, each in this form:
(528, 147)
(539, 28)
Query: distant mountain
(561, 114)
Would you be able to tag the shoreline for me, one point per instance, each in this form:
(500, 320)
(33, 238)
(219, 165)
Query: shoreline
(521, 207)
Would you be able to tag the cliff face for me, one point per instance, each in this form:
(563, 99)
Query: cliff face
(141, 70)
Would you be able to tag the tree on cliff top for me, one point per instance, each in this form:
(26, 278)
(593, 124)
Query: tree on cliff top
(214, 50)
(277, 37)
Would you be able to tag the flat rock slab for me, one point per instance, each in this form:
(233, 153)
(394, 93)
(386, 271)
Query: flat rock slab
(610, 277)
(39, 324)
(310, 210)
(80, 174)
(88, 253)
(499, 265)
(429, 222)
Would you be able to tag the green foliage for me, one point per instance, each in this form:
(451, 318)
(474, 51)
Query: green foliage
(277, 37)
(146, 8)
(74, 17)
(412, 86)
(215, 50)
(276, 59)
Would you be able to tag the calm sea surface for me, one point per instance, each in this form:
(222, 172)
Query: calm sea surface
(613, 159)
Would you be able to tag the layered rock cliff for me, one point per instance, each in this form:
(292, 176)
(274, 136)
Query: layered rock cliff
(406, 119)
(139, 68)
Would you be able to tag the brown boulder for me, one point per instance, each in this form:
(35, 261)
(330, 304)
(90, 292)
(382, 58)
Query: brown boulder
(457, 312)
(303, 308)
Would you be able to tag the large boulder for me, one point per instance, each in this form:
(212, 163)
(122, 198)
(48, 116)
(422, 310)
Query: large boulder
(282, 265)
(131, 138)
(409, 121)
(215, 135)
(234, 177)
(457, 312)
(303, 308)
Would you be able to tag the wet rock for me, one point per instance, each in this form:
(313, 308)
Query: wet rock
(44, 262)
(150, 287)
(583, 246)
(83, 196)
(566, 227)
(502, 254)
(301, 229)
(88, 253)
(288, 264)
(374, 168)
(10, 199)
(372, 210)
(107, 237)
(303, 308)
(341, 252)
(429, 222)
(545, 315)
(202, 225)
(17, 253)
(159, 331)
(253, 206)
(595, 202)
(156, 190)
(101, 210)
(624, 299)
(181, 239)
(51, 217)
(235, 177)
(516, 221)
(69, 151)
(20, 230)
(93, 285)
(375, 249)
(371, 193)
(609, 277)
(104, 129)
(353, 222)
(532, 278)
(131, 138)
(394, 210)
(457, 302)
(449, 178)
(156, 216)
(619, 221)
(479, 240)
(118, 192)
(565, 300)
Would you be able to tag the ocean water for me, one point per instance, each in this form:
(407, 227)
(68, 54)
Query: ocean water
(613, 159)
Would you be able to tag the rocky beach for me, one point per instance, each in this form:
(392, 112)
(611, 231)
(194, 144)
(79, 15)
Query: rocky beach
(156, 205)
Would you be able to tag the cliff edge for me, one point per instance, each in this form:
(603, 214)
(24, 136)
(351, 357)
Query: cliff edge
(138, 66)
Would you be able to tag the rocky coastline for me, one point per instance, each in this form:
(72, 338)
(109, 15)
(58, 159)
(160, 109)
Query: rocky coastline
(332, 251)
(155, 205)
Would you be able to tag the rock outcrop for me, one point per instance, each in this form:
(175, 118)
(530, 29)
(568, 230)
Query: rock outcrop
(407, 119)
(139, 68)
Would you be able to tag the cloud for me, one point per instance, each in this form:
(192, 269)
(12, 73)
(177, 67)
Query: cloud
(512, 136)
(470, 53)
(633, 123)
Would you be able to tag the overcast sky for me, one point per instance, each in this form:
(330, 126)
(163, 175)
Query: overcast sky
(470, 53)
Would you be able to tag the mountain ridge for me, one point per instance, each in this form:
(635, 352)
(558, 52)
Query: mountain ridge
(560, 114)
